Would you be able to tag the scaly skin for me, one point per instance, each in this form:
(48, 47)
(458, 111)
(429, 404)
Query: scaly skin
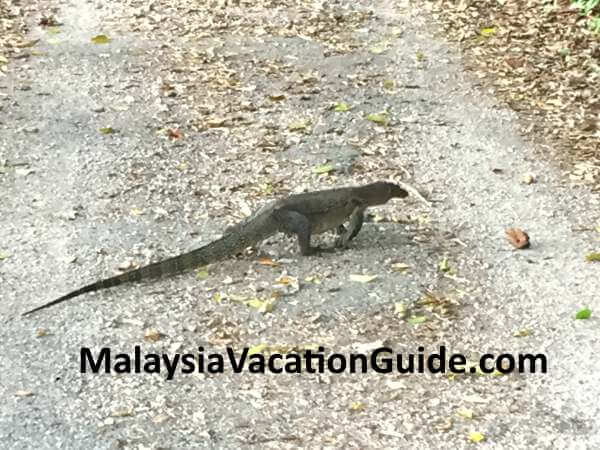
(301, 214)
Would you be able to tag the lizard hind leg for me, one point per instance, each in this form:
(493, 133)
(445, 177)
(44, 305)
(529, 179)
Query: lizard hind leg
(293, 222)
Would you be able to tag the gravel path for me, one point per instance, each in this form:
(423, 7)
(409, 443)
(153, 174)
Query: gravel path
(210, 121)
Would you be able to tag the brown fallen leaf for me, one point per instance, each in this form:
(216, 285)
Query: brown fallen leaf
(518, 238)
(514, 63)
(267, 262)
(153, 335)
(174, 133)
(48, 21)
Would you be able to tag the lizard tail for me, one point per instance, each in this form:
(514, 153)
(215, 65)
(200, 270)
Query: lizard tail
(225, 247)
(168, 266)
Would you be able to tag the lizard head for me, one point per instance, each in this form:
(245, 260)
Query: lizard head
(397, 191)
(380, 192)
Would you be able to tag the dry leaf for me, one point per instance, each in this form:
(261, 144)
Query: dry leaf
(48, 21)
(379, 48)
(363, 278)
(202, 274)
(522, 333)
(476, 436)
(126, 265)
(101, 39)
(287, 279)
(445, 426)
(357, 406)
(160, 418)
(341, 107)
(122, 412)
(216, 122)
(41, 332)
(27, 44)
(260, 348)
(23, 172)
(325, 168)
(591, 257)
(378, 118)
(23, 393)
(174, 133)
(400, 309)
(267, 262)
(528, 178)
(444, 265)
(415, 320)
(152, 335)
(299, 125)
(518, 238)
(489, 31)
(260, 305)
(400, 267)
(286, 284)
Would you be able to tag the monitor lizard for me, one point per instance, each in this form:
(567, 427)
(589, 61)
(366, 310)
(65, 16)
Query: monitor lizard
(300, 214)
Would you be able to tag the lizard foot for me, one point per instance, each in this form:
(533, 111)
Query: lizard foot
(318, 251)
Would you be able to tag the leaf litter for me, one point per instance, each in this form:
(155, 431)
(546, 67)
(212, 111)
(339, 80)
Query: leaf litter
(541, 60)
(221, 74)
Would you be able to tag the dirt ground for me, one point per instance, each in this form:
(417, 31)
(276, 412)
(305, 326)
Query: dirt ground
(131, 131)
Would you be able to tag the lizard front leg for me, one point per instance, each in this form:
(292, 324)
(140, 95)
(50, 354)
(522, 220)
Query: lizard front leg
(355, 224)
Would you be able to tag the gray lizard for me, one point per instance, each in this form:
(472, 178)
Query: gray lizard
(301, 214)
